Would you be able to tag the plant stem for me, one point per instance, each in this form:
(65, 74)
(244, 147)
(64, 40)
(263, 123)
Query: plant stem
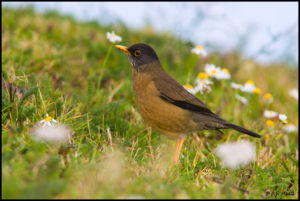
(104, 65)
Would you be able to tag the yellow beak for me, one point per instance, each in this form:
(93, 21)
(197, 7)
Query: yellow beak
(123, 48)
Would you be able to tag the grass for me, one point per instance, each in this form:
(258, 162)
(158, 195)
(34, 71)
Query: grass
(56, 65)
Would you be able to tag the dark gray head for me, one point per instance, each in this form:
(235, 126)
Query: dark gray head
(139, 54)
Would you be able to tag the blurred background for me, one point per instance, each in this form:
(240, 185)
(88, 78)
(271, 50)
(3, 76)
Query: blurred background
(266, 32)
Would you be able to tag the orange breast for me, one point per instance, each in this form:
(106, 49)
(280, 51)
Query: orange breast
(159, 114)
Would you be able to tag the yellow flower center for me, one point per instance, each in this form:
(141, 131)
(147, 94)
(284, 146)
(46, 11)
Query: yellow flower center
(48, 118)
(213, 72)
(270, 123)
(188, 86)
(202, 75)
(257, 90)
(226, 70)
(199, 47)
(268, 96)
(249, 82)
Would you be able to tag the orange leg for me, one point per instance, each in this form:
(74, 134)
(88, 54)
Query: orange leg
(177, 150)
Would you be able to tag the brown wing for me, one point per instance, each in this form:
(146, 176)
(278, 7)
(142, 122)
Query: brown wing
(171, 91)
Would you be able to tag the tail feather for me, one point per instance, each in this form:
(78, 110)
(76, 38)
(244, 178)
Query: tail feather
(243, 130)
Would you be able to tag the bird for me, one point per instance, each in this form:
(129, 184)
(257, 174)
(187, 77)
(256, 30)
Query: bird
(164, 104)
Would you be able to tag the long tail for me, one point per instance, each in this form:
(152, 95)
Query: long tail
(241, 129)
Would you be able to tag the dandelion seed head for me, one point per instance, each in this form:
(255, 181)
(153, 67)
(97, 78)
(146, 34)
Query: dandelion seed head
(53, 133)
(294, 93)
(236, 154)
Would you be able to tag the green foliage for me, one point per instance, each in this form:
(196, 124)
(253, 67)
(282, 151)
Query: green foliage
(69, 70)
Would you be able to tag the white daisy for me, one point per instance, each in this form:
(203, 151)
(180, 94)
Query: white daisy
(222, 74)
(236, 154)
(283, 118)
(268, 97)
(199, 50)
(270, 114)
(202, 83)
(203, 86)
(235, 85)
(241, 98)
(112, 37)
(217, 72)
(289, 128)
(211, 69)
(248, 87)
(190, 89)
(47, 121)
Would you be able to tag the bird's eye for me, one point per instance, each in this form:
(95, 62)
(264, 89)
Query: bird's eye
(137, 53)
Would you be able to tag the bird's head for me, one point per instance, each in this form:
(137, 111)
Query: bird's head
(139, 55)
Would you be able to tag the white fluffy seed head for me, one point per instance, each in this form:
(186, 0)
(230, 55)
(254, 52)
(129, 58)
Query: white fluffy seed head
(54, 133)
(294, 93)
(236, 154)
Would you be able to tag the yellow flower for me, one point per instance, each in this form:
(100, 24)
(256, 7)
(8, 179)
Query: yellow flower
(47, 121)
(270, 123)
(188, 86)
(199, 50)
(226, 70)
(257, 90)
(202, 75)
(48, 118)
(268, 96)
(199, 47)
(249, 82)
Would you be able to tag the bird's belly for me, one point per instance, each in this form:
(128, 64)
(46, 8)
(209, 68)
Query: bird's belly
(162, 116)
